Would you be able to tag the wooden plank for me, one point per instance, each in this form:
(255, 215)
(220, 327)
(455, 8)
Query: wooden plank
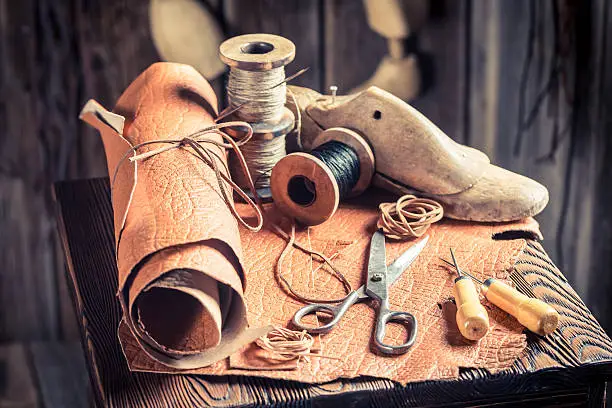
(601, 235)
(86, 227)
(61, 374)
(17, 388)
(54, 55)
(353, 51)
(32, 156)
(499, 44)
(294, 19)
(512, 60)
(443, 45)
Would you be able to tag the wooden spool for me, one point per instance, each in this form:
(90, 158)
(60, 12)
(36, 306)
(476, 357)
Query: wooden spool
(260, 52)
(304, 188)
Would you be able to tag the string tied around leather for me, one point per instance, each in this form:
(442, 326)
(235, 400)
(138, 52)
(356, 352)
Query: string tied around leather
(198, 144)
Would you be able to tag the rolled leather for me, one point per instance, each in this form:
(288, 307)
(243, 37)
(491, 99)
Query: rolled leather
(181, 279)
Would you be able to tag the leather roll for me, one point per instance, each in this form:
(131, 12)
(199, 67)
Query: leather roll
(181, 280)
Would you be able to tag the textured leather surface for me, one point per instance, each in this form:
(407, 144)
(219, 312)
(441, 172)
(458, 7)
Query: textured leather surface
(177, 222)
(425, 290)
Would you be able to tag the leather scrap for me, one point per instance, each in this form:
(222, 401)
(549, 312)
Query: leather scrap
(424, 290)
(179, 256)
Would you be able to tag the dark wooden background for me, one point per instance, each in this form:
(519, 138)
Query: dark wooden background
(529, 82)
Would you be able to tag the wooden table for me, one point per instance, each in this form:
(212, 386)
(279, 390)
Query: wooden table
(568, 368)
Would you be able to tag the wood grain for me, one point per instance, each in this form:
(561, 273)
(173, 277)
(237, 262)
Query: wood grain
(599, 280)
(567, 371)
(54, 56)
(60, 369)
(511, 55)
(17, 387)
(353, 50)
(299, 21)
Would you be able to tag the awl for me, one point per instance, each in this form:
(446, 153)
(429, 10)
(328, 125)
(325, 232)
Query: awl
(472, 317)
(534, 314)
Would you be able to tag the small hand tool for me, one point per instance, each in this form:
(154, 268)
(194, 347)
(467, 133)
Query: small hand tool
(534, 314)
(380, 277)
(472, 317)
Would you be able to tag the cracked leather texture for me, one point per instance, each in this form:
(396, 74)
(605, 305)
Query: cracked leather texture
(425, 290)
(178, 221)
(175, 222)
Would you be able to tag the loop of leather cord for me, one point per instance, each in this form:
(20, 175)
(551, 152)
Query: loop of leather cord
(409, 217)
(291, 242)
(289, 344)
(197, 142)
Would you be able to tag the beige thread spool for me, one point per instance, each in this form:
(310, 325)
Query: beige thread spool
(256, 85)
(304, 187)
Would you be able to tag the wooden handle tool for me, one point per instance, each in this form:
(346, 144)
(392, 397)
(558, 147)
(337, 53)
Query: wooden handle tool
(472, 317)
(534, 314)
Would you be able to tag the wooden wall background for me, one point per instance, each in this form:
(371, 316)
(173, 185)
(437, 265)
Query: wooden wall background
(495, 64)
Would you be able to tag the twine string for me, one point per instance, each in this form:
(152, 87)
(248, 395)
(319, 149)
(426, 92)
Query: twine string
(409, 217)
(291, 242)
(289, 344)
(262, 96)
(198, 142)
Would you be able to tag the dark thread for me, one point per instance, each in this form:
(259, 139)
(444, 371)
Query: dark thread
(343, 162)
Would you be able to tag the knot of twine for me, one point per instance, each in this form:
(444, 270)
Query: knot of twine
(198, 144)
(289, 344)
(409, 217)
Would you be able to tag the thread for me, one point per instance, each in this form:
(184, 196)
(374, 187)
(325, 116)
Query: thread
(409, 217)
(308, 187)
(258, 97)
(343, 162)
(261, 155)
(262, 94)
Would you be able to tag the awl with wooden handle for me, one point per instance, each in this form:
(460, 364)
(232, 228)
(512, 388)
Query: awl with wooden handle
(472, 317)
(534, 314)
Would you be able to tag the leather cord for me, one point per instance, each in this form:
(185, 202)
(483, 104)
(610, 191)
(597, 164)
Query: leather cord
(291, 242)
(409, 217)
(198, 142)
(289, 344)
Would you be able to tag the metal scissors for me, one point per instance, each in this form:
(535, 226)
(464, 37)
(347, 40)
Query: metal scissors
(376, 287)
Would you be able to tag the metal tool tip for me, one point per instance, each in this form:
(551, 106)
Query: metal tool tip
(455, 262)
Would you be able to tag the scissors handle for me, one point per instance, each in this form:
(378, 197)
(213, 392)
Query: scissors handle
(336, 311)
(386, 316)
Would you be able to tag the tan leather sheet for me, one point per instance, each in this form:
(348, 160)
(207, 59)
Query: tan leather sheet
(178, 244)
(425, 290)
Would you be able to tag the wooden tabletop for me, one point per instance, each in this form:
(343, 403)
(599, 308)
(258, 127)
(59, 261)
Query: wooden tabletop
(567, 368)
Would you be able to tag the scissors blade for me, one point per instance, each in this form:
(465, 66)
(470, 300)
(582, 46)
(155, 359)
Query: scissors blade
(377, 267)
(397, 268)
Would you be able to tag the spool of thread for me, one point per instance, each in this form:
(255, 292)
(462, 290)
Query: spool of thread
(309, 186)
(256, 88)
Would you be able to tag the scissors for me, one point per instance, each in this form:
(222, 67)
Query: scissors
(376, 287)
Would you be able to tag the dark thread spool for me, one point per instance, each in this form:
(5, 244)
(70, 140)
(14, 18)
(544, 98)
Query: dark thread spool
(309, 186)
(343, 162)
